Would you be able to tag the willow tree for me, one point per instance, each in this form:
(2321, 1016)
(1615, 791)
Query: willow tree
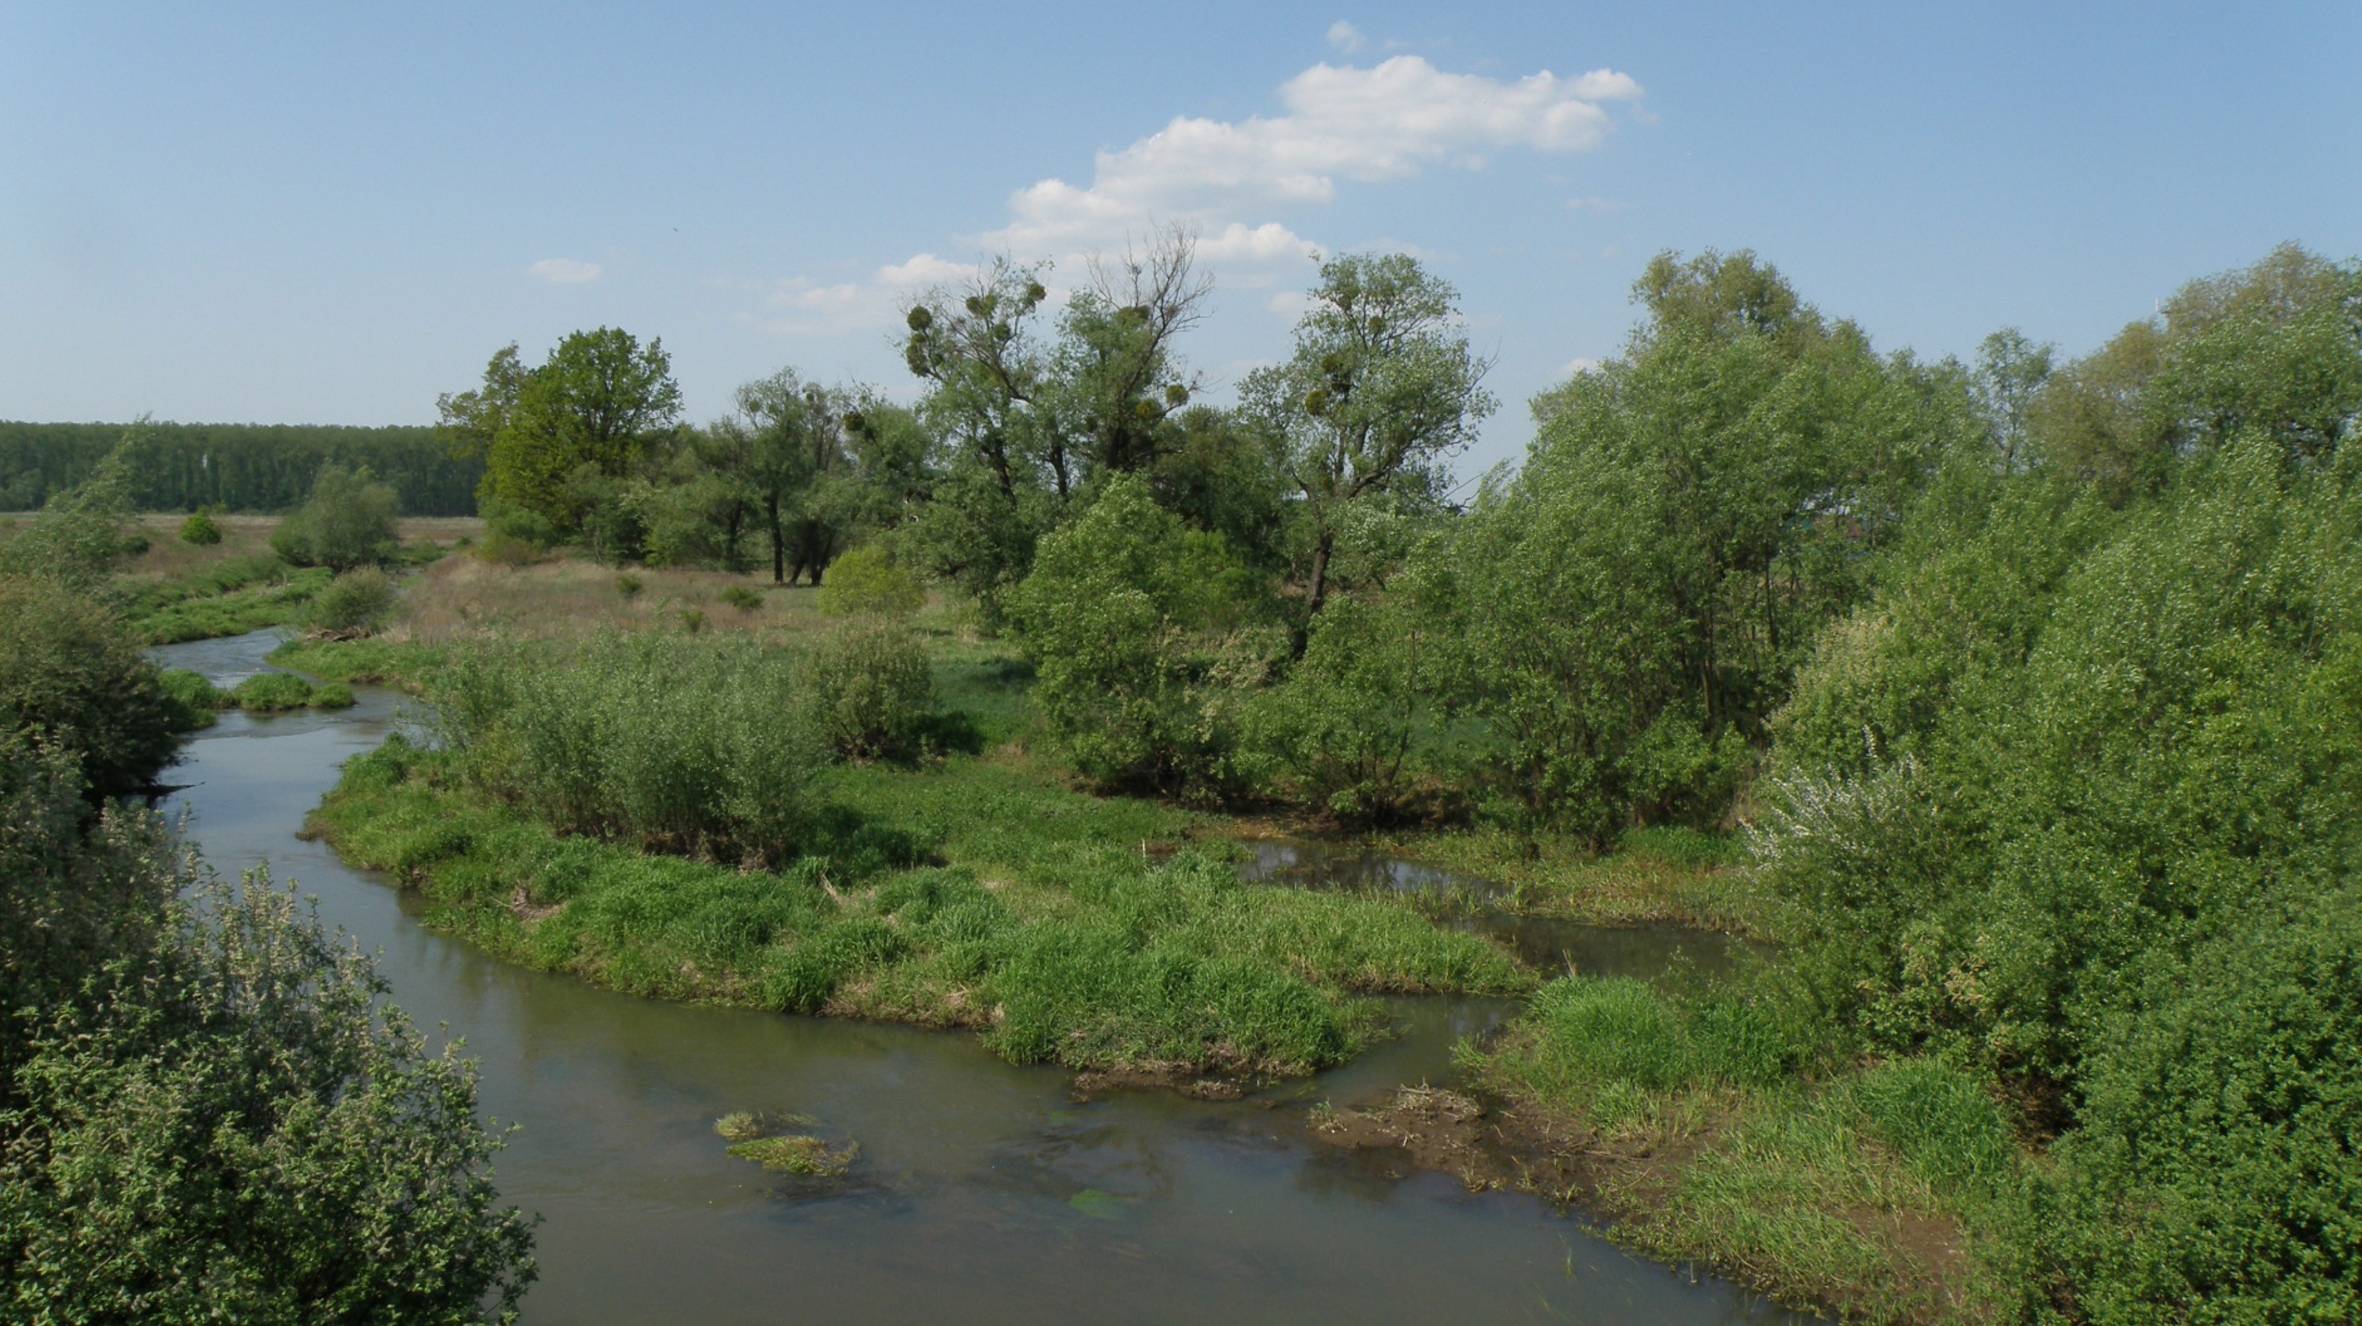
(1381, 391)
(1637, 598)
(785, 443)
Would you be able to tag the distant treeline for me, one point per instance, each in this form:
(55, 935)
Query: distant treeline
(236, 467)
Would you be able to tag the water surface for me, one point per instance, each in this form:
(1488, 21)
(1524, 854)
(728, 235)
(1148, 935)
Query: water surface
(985, 1193)
(1551, 944)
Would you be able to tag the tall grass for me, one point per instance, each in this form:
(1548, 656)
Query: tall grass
(1893, 1192)
(696, 748)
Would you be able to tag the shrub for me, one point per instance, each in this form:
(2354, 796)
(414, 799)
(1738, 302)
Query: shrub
(611, 518)
(2112, 867)
(348, 522)
(354, 604)
(1139, 628)
(2215, 1163)
(79, 894)
(629, 585)
(235, 1126)
(678, 746)
(272, 692)
(82, 531)
(197, 697)
(2167, 747)
(519, 524)
(70, 669)
(871, 691)
(695, 521)
(199, 529)
(866, 581)
(514, 535)
(742, 597)
(507, 550)
(692, 620)
(1341, 728)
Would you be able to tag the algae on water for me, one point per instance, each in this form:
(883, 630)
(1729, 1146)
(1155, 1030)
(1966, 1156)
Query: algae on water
(799, 1153)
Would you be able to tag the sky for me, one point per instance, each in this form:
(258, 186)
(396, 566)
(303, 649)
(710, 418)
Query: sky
(332, 213)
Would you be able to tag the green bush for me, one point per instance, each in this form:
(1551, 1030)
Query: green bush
(519, 524)
(629, 585)
(2112, 866)
(1142, 634)
(82, 531)
(355, 603)
(871, 690)
(348, 522)
(79, 895)
(197, 696)
(2215, 1162)
(745, 598)
(675, 745)
(1340, 730)
(199, 529)
(2169, 746)
(235, 1126)
(506, 550)
(272, 692)
(70, 670)
(515, 535)
(867, 581)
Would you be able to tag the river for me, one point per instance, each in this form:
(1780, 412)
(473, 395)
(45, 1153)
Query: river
(985, 1192)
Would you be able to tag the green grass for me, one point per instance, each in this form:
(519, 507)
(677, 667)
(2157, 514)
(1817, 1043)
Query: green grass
(371, 662)
(807, 1157)
(197, 695)
(1891, 1192)
(278, 692)
(980, 895)
(233, 599)
(1670, 876)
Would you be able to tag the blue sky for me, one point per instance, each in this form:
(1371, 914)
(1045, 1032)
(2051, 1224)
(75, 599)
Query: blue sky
(330, 213)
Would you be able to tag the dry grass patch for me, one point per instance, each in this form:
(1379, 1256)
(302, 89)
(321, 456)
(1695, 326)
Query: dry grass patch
(566, 597)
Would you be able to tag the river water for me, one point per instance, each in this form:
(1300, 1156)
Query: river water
(985, 1192)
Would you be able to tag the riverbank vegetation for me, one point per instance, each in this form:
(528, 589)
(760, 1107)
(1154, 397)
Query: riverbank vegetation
(2024, 686)
(252, 572)
(207, 1110)
(2014, 698)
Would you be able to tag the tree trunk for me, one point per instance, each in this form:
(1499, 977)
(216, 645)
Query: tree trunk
(1320, 588)
(778, 543)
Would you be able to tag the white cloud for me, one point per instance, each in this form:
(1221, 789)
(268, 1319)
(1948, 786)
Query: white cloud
(565, 271)
(1578, 364)
(1239, 242)
(1336, 125)
(1346, 37)
(812, 308)
(1363, 125)
(1591, 203)
(923, 270)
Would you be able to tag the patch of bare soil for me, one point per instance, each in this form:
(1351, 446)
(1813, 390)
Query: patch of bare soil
(522, 906)
(1092, 1083)
(1485, 1146)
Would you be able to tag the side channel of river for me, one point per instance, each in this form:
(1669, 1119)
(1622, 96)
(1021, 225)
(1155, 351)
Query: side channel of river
(984, 1192)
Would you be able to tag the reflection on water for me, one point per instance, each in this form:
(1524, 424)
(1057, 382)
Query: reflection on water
(974, 1195)
(1548, 943)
